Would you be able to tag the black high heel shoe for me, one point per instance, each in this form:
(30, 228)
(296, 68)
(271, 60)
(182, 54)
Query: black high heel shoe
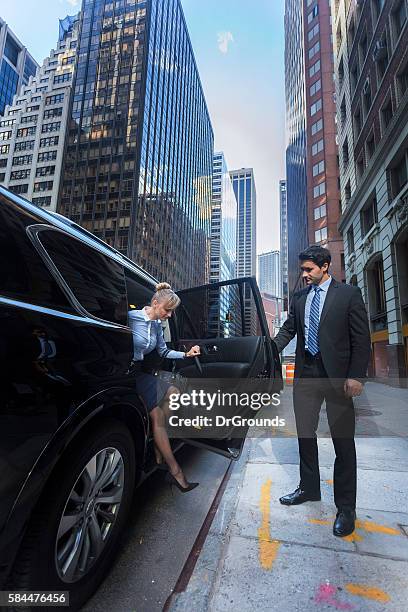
(173, 481)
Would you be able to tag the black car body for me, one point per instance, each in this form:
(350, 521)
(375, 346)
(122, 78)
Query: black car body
(65, 355)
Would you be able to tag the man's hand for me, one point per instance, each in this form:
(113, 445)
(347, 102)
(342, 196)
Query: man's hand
(194, 351)
(352, 388)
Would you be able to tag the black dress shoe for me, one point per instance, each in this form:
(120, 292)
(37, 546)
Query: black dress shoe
(298, 497)
(345, 523)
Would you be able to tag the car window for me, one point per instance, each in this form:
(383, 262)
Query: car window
(96, 281)
(24, 276)
(225, 311)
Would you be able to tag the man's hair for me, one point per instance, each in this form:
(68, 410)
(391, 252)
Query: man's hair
(317, 254)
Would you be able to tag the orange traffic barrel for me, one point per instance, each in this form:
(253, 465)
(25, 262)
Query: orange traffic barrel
(289, 373)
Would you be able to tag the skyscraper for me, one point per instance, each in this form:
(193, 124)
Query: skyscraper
(138, 164)
(323, 196)
(283, 208)
(223, 223)
(312, 162)
(269, 273)
(296, 188)
(223, 247)
(32, 131)
(16, 65)
(371, 69)
(243, 182)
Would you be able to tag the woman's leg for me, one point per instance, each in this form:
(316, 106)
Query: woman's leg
(165, 407)
(161, 440)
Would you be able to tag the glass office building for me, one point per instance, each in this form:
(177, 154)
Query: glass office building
(138, 162)
(223, 248)
(16, 65)
(296, 183)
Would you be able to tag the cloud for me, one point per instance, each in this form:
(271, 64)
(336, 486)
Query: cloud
(73, 2)
(223, 39)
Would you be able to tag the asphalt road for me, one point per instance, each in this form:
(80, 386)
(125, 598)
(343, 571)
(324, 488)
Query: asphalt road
(160, 535)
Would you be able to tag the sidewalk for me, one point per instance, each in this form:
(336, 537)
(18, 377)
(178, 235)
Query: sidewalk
(260, 555)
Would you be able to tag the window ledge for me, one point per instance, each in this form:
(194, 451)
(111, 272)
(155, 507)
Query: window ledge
(399, 205)
(367, 240)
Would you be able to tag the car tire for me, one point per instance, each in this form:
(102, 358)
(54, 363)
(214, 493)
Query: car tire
(38, 566)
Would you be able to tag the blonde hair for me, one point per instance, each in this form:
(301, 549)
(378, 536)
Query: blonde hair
(164, 293)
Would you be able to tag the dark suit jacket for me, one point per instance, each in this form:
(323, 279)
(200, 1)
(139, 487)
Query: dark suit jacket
(344, 335)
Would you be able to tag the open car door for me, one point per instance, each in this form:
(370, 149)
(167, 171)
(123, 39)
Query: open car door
(227, 320)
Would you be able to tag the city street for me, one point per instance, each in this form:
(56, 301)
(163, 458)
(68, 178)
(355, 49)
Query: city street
(260, 555)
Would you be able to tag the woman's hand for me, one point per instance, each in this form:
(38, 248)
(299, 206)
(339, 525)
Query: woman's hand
(194, 351)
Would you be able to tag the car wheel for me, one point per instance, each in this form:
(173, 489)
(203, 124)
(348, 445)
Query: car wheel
(75, 531)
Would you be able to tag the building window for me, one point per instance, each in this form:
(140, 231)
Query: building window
(347, 193)
(357, 123)
(4, 149)
(315, 107)
(354, 77)
(51, 127)
(314, 69)
(399, 17)
(29, 119)
(313, 50)
(24, 132)
(399, 175)
(313, 32)
(54, 99)
(367, 97)
(370, 146)
(5, 135)
(47, 156)
(19, 188)
(51, 141)
(22, 160)
(317, 126)
(25, 145)
(345, 150)
(386, 115)
(42, 201)
(350, 240)
(19, 174)
(360, 167)
(368, 216)
(321, 234)
(319, 190)
(380, 56)
(318, 168)
(363, 46)
(317, 147)
(313, 13)
(377, 6)
(402, 81)
(319, 212)
(343, 114)
(53, 112)
(43, 186)
(35, 107)
(315, 87)
(62, 78)
(45, 171)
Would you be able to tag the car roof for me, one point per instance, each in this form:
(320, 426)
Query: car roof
(70, 227)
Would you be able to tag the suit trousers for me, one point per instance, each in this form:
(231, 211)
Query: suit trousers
(310, 390)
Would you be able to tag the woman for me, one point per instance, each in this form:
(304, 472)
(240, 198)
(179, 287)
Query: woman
(147, 336)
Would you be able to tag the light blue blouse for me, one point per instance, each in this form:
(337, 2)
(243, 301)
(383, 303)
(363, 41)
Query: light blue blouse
(148, 335)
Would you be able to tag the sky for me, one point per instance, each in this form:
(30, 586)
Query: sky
(239, 50)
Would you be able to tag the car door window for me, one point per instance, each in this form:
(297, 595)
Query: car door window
(219, 311)
(96, 281)
(24, 276)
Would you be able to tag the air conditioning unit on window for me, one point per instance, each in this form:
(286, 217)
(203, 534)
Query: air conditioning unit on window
(380, 50)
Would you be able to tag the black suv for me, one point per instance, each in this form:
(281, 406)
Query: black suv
(74, 434)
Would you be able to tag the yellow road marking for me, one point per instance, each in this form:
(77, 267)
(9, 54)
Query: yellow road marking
(368, 592)
(329, 482)
(319, 522)
(372, 527)
(268, 548)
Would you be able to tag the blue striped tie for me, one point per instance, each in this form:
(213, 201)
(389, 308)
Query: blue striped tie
(314, 319)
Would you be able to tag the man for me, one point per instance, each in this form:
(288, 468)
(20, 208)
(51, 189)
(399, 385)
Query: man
(332, 354)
